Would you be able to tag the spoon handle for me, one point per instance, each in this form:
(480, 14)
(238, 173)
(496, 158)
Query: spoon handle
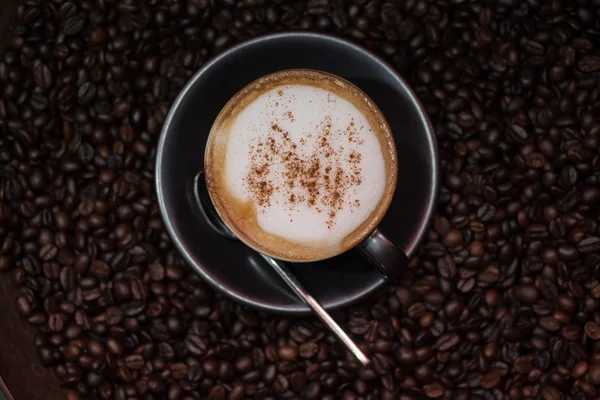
(285, 274)
(323, 315)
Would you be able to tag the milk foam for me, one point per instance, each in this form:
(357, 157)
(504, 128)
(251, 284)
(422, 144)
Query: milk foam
(295, 120)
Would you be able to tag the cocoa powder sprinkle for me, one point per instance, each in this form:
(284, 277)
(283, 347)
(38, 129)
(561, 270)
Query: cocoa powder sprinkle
(312, 171)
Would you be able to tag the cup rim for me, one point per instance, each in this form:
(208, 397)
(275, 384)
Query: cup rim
(383, 206)
(410, 248)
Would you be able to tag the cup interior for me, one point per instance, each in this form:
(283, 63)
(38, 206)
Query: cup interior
(232, 267)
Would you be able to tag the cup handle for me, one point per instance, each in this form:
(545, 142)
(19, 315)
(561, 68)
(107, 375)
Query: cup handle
(385, 255)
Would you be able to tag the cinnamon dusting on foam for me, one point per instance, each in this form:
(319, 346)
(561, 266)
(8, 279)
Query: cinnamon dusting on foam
(313, 173)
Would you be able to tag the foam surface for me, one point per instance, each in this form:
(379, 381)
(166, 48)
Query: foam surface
(308, 160)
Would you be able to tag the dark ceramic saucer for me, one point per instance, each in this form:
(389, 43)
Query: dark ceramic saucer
(232, 267)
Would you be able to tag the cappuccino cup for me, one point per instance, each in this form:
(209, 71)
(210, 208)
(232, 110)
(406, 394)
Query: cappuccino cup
(301, 165)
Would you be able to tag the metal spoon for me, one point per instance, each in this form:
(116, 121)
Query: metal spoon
(211, 217)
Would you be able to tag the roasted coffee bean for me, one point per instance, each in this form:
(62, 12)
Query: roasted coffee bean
(73, 25)
(434, 390)
(114, 346)
(134, 362)
(114, 315)
(358, 326)
(67, 278)
(6, 263)
(121, 290)
(178, 370)
(86, 93)
(195, 345)
(589, 63)
(308, 349)
(288, 353)
(527, 294)
(42, 75)
(100, 269)
(589, 245)
(594, 374)
(447, 342)
(95, 348)
(592, 330)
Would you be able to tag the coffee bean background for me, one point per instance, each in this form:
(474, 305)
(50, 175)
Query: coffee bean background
(503, 300)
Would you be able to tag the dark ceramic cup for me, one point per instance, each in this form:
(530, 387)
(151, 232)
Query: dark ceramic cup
(237, 270)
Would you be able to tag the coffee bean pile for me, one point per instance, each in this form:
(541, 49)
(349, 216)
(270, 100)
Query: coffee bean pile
(503, 300)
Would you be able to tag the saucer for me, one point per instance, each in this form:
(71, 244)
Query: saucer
(230, 266)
